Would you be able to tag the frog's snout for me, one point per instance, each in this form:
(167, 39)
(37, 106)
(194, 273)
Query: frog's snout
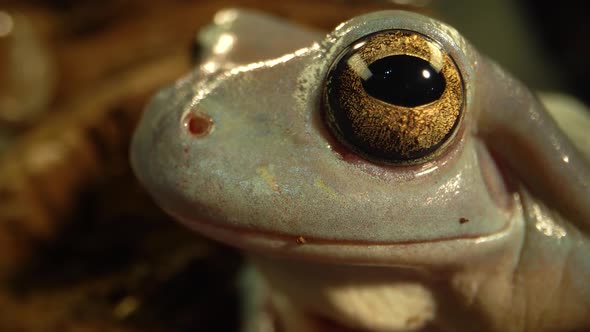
(198, 123)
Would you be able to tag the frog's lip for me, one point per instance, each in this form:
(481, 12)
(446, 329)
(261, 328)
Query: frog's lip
(436, 251)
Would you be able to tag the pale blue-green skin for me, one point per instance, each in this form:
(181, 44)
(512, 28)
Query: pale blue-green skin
(266, 175)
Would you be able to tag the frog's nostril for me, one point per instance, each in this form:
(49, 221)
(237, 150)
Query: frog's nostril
(198, 123)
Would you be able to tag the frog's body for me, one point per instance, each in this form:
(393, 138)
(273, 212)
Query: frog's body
(489, 235)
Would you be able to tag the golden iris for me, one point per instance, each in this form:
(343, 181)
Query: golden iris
(394, 96)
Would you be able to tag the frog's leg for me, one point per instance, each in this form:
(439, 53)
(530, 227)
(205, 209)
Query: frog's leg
(255, 304)
(522, 135)
(266, 310)
(546, 150)
(572, 116)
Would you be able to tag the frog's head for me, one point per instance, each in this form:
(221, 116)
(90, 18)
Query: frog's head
(389, 141)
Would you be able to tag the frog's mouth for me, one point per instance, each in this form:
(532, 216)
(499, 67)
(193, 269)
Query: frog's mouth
(358, 252)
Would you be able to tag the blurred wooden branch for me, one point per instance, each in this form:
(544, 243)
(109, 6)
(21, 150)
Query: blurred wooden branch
(42, 174)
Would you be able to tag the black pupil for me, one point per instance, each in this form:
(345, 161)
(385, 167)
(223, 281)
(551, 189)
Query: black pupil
(404, 80)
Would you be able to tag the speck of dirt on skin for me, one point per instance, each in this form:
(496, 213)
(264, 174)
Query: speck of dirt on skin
(463, 220)
(300, 240)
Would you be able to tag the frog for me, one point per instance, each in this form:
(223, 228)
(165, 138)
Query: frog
(384, 176)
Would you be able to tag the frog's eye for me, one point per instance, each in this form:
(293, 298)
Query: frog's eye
(394, 97)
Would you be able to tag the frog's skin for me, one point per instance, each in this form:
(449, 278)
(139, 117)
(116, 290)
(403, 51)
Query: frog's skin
(492, 235)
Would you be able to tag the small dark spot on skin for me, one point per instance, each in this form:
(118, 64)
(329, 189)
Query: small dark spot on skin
(463, 220)
(198, 124)
(301, 240)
